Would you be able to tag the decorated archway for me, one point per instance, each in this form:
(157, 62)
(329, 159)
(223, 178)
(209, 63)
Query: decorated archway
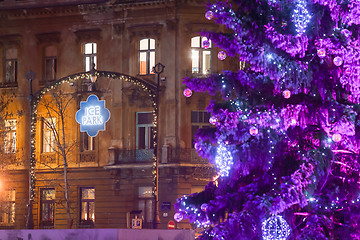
(150, 88)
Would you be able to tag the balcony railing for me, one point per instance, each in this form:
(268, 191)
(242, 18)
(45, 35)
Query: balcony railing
(166, 155)
(133, 156)
(188, 155)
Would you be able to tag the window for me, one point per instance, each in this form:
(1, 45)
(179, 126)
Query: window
(87, 143)
(47, 206)
(145, 204)
(11, 66)
(10, 136)
(144, 130)
(200, 55)
(48, 136)
(89, 56)
(7, 207)
(199, 119)
(87, 211)
(146, 56)
(50, 63)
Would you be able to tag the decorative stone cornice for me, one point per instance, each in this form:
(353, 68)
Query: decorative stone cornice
(11, 40)
(53, 37)
(199, 27)
(146, 30)
(88, 34)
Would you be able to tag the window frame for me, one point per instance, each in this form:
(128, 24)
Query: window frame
(46, 146)
(9, 198)
(52, 75)
(11, 72)
(146, 213)
(148, 52)
(200, 56)
(91, 56)
(199, 124)
(10, 134)
(149, 132)
(85, 138)
(50, 206)
(88, 221)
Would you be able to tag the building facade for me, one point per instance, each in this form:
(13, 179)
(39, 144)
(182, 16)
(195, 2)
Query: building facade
(110, 177)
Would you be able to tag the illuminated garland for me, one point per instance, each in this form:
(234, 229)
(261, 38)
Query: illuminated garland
(146, 86)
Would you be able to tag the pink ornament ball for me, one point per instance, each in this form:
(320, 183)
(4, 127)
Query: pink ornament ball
(209, 15)
(253, 131)
(222, 55)
(338, 61)
(286, 93)
(187, 92)
(321, 53)
(178, 216)
(336, 137)
(206, 44)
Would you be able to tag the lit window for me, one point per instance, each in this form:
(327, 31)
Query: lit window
(48, 135)
(199, 119)
(89, 52)
(145, 204)
(87, 143)
(144, 130)
(47, 206)
(7, 207)
(200, 55)
(11, 65)
(146, 56)
(50, 63)
(87, 211)
(10, 136)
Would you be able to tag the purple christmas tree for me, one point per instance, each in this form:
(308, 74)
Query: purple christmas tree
(285, 136)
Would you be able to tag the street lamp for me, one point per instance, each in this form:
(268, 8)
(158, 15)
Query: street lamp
(30, 76)
(158, 69)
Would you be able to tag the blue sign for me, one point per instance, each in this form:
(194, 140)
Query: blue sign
(92, 115)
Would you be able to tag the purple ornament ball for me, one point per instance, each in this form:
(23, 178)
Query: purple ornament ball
(206, 44)
(338, 61)
(204, 207)
(212, 120)
(209, 15)
(178, 216)
(346, 32)
(222, 55)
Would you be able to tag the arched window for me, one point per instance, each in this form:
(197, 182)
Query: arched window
(146, 56)
(200, 55)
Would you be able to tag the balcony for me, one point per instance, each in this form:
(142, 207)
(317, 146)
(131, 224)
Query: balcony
(167, 155)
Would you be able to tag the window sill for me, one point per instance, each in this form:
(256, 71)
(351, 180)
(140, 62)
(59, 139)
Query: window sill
(8, 85)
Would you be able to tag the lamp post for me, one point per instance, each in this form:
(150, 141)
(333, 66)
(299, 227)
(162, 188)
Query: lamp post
(158, 69)
(30, 76)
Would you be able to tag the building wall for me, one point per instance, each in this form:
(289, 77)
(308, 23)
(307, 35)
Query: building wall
(116, 27)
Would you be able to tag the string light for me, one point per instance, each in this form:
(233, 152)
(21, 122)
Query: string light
(223, 160)
(275, 228)
(301, 16)
(146, 86)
